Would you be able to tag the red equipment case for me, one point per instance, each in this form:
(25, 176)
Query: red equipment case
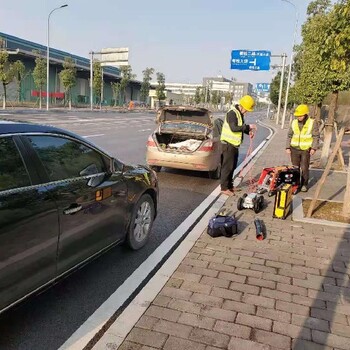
(273, 178)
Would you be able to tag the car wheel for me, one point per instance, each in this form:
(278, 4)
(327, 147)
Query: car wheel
(256, 205)
(156, 168)
(141, 222)
(215, 174)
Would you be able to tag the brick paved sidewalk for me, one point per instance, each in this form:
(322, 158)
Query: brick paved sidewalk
(290, 291)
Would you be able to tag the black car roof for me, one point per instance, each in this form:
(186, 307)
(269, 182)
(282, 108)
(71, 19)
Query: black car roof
(9, 127)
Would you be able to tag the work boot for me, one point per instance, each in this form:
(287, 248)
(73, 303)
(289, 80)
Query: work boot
(303, 189)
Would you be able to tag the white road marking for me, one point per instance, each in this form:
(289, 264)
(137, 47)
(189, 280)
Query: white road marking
(144, 130)
(96, 135)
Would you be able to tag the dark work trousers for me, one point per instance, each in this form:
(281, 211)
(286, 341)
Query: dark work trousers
(301, 159)
(229, 164)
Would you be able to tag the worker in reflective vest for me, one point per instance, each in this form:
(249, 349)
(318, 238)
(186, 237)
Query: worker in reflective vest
(302, 142)
(231, 138)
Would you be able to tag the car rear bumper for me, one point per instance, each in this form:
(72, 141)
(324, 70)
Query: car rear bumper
(200, 161)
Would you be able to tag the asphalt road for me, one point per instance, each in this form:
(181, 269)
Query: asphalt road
(46, 321)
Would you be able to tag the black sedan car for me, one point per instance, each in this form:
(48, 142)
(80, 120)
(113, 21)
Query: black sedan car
(62, 202)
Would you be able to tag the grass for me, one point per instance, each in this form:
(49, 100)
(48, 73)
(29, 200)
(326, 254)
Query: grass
(326, 210)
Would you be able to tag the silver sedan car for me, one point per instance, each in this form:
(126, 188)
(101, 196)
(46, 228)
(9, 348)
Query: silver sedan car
(186, 138)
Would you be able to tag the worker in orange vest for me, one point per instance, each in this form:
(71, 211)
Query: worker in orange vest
(131, 105)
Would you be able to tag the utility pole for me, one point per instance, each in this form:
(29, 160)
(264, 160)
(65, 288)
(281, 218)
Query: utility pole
(101, 98)
(291, 61)
(268, 110)
(206, 92)
(91, 81)
(113, 62)
(284, 57)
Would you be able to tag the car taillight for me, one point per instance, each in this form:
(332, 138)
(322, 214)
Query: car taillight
(150, 142)
(207, 147)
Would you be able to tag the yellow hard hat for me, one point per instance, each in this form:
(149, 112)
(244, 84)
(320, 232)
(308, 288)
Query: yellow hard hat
(301, 110)
(247, 102)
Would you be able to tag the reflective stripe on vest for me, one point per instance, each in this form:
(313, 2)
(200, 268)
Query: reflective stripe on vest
(234, 138)
(302, 139)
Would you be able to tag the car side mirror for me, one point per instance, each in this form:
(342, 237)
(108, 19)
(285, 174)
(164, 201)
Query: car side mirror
(116, 165)
(96, 180)
(89, 170)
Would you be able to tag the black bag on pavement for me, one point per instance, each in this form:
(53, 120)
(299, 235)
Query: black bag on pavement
(222, 225)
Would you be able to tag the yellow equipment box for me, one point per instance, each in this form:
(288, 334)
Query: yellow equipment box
(283, 202)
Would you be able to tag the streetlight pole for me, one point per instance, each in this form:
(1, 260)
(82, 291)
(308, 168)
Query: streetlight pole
(284, 56)
(291, 61)
(48, 55)
(91, 80)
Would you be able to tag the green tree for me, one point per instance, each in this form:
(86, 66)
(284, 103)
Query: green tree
(19, 74)
(228, 97)
(318, 7)
(6, 73)
(197, 96)
(160, 89)
(68, 78)
(207, 92)
(97, 80)
(39, 75)
(127, 75)
(275, 88)
(310, 86)
(146, 84)
(334, 56)
(215, 98)
(116, 88)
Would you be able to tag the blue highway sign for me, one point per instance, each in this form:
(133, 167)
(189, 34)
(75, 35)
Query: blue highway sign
(263, 87)
(250, 60)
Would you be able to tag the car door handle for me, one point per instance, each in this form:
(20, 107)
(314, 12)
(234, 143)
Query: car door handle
(72, 209)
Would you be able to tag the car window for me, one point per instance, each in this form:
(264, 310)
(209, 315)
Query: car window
(64, 158)
(13, 173)
(184, 127)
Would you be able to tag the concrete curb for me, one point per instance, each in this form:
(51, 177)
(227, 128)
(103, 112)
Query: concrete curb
(298, 215)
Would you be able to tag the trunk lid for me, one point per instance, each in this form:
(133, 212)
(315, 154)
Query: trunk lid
(184, 114)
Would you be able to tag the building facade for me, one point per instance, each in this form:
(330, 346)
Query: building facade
(27, 51)
(237, 89)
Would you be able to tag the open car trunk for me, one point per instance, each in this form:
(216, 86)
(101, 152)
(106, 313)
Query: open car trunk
(184, 137)
(183, 129)
(174, 142)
